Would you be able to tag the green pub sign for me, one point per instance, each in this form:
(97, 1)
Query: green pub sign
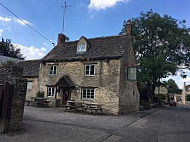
(132, 73)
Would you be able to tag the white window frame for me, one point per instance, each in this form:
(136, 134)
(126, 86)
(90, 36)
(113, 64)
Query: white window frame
(82, 46)
(90, 65)
(85, 96)
(31, 83)
(52, 91)
(52, 70)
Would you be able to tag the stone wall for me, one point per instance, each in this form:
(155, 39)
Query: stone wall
(18, 105)
(129, 96)
(106, 81)
(13, 75)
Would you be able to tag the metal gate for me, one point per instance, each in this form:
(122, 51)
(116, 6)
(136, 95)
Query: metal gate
(6, 96)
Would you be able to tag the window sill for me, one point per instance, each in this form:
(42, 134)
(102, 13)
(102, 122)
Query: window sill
(52, 75)
(90, 75)
(88, 99)
(51, 96)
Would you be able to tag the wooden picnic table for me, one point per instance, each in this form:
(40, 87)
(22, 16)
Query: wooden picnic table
(72, 105)
(93, 107)
(40, 102)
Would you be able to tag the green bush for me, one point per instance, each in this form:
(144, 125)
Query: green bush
(145, 104)
(162, 97)
(40, 94)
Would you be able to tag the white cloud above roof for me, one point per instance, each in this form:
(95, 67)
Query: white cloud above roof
(5, 19)
(21, 22)
(103, 4)
(31, 52)
(14, 19)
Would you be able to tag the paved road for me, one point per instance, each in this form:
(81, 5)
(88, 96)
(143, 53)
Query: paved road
(167, 125)
(49, 125)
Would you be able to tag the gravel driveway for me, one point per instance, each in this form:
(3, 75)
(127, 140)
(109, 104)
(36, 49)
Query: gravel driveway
(55, 125)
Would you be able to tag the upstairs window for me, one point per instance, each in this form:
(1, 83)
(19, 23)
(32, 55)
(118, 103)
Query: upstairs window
(90, 70)
(51, 91)
(53, 70)
(88, 93)
(81, 47)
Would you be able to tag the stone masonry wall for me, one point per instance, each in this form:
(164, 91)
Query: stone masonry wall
(106, 81)
(13, 75)
(18, 105)
(129, 95)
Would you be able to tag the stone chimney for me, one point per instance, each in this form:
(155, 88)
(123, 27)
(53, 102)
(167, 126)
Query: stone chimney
(61, 39)
(128, 28)
(184, 84)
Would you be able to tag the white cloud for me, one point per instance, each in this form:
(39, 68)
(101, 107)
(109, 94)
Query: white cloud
(187, 79)
(21, 22)
(103, 4)
(1, 31)
(16, 20)
(32, 52)
(178, 79)
(5, 19)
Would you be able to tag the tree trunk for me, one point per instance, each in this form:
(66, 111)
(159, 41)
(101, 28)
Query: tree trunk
(149, 92)
(153, 88)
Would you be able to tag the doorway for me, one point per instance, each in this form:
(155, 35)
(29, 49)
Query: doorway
(66, 95)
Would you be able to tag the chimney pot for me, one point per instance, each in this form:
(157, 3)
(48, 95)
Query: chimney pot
(61, 39)
(128, 28)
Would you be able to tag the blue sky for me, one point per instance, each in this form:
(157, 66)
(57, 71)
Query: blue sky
(91, 18)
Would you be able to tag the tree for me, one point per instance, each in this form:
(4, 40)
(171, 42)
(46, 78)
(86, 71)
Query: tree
(160, 43)
(8, 49)
(172, 86)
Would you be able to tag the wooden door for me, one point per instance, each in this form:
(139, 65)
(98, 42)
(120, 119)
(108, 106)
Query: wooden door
(66, 95)
(6, 105)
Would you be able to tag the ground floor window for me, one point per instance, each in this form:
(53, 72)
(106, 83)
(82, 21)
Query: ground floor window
(51, 91)
(29, 85)
(88, 93)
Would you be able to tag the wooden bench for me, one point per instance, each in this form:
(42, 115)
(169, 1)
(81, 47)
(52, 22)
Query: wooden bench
(94, 107)
(71, 105)
(40, 102)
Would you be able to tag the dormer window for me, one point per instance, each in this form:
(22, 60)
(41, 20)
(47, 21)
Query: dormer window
(81, 47)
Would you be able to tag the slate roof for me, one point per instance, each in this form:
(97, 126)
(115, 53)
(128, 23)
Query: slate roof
(30, 68)
(102, 47)
(6, 58)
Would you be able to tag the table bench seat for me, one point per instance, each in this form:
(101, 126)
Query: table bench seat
(72, 105)
(40, 102)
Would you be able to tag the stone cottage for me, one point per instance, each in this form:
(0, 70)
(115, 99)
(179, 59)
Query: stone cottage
(30, 73)
(100, 70)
